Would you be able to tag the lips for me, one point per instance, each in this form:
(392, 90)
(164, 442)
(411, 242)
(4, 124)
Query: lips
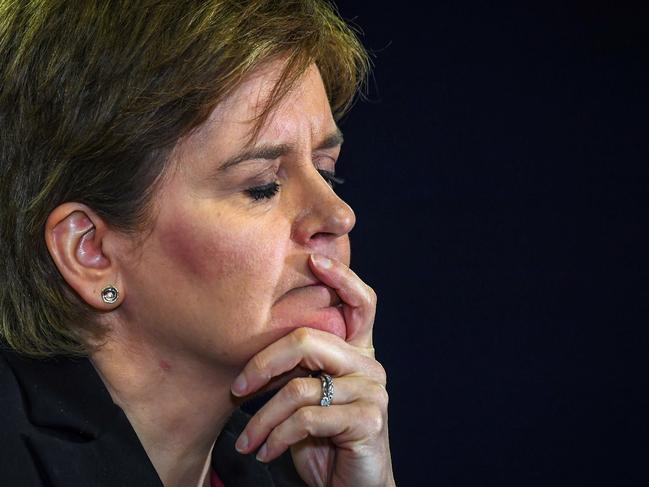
(314, 306)
(319, 293)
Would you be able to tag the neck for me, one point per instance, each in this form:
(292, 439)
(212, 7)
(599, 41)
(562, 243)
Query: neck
(176, 407)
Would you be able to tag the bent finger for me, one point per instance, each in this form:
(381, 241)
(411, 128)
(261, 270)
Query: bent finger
(311, 349)
(343, 425)
(359, 299)
(303, 392)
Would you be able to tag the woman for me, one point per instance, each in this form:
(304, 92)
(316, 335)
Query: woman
(172, 245)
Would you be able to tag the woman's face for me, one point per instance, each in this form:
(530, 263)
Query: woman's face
(224, 270)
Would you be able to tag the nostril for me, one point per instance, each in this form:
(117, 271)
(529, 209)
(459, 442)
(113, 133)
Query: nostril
(323, 235)
(324, 219)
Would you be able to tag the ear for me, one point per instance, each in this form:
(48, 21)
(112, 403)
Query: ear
(76, 238)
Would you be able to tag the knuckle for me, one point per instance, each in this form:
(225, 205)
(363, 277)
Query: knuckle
(380, 373)
(380, 395)
(302, 336)
(374, 420)
(371, 296)
(257, 422)
(296, 389)
(274, 442)
(304, 417)
(383, 375)
(259, 363)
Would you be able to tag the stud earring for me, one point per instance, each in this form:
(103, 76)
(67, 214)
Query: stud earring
(109, 294)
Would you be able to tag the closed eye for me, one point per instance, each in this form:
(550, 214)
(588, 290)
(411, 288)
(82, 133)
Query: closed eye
(268, 191)
(331, 178)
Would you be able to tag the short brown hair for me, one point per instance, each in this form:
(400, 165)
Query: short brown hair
(93, 97)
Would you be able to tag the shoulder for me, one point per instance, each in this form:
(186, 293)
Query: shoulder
(61, 428)
(16, 463)
(12, 403)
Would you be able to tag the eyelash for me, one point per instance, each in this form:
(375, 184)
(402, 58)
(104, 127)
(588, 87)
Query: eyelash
(267, 191)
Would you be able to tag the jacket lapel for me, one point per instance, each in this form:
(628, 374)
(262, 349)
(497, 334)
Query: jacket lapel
(238, 470)
(79, 436)
(234, 469)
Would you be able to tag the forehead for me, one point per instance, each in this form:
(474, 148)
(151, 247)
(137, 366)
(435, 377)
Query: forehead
(303, 112)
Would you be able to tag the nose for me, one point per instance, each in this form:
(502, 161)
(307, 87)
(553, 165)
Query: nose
(323, 215)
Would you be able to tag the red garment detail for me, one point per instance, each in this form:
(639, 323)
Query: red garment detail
(215, 480)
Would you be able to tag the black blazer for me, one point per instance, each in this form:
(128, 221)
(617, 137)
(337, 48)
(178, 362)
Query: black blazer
(59, 427)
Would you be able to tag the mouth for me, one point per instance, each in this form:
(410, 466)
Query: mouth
(314, 306)
(319, 289)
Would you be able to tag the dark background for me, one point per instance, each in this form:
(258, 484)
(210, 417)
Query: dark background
(498, 175)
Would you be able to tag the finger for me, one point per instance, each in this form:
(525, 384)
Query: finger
(309, 348)
(344, 425)
(303, 392)
(281, 380)
(359, 299)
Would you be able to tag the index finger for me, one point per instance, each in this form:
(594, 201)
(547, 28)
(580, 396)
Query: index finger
(359, 299)
(310, 349)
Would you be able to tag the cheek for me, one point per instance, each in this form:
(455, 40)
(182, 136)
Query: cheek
(197, 251)
(222, 254)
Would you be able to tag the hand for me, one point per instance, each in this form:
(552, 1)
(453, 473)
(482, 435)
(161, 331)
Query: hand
(345, 444)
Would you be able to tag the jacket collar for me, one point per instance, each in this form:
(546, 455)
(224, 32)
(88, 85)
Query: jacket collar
(80, 437)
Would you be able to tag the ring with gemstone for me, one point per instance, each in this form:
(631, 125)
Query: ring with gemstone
(327, 390)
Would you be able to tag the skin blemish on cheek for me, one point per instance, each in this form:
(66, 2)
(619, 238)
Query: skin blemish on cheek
(164, 365)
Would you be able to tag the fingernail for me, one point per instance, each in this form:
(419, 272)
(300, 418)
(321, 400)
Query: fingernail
(239, 386)
(242, 443)
(261, 454)
(321, 261)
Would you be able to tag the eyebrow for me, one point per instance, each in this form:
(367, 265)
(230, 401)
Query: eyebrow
(273, 151)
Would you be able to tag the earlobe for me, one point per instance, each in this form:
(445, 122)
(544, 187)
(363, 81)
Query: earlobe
(75, 235)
